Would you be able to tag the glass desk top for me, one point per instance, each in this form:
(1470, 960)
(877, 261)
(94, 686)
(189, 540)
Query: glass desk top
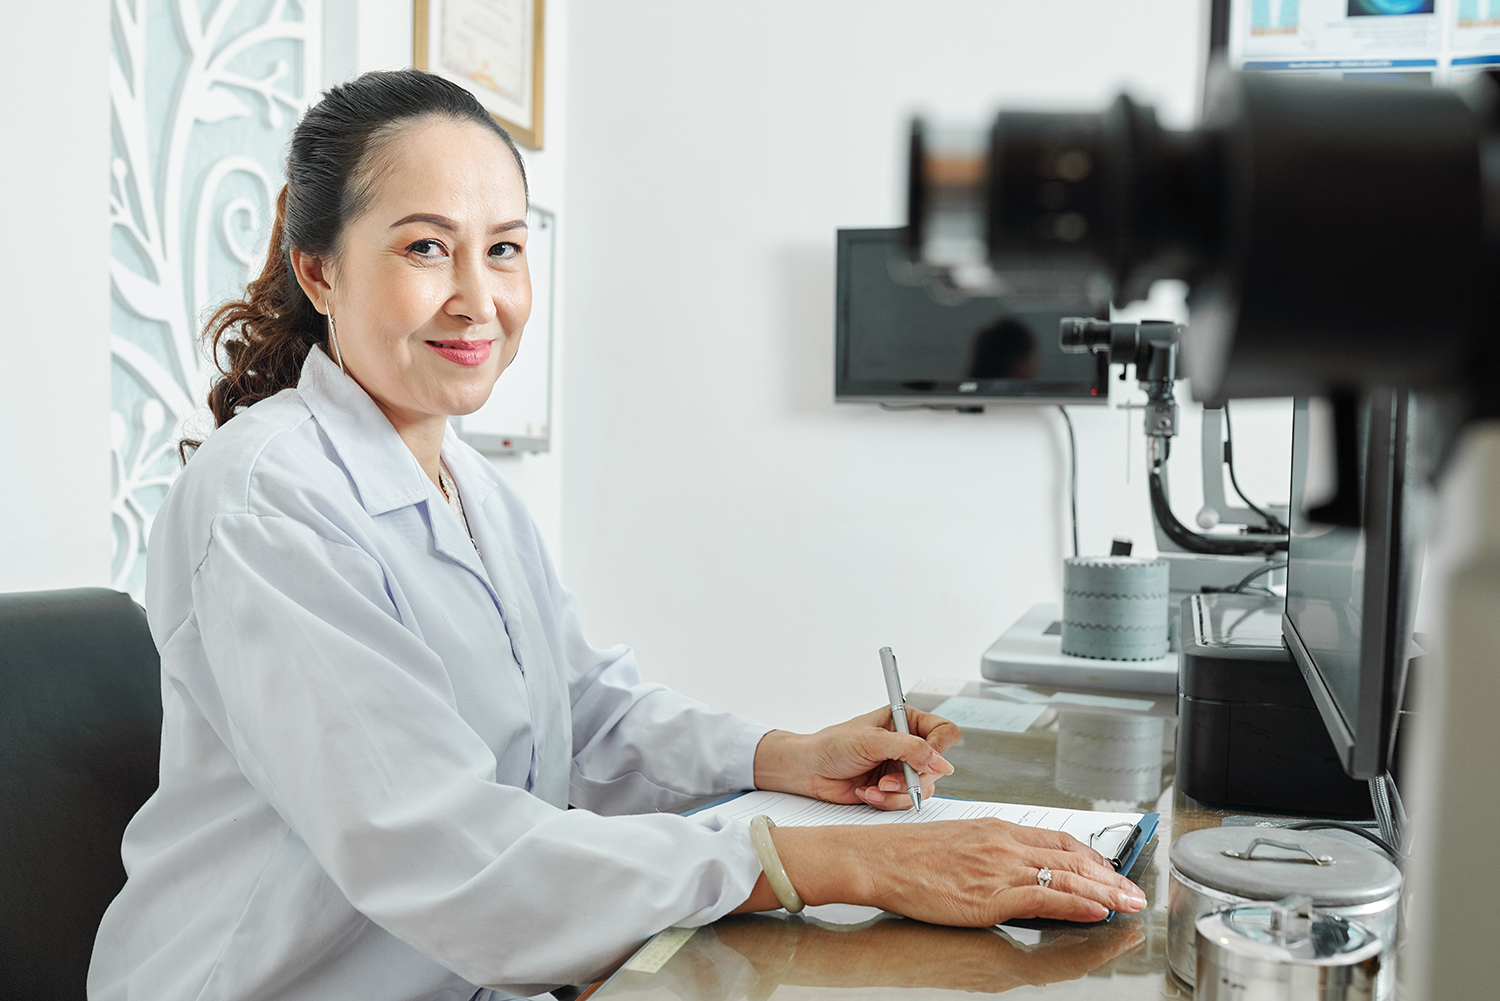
(842, 951)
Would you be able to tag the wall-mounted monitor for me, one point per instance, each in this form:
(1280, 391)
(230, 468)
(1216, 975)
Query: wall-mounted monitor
(901, 344)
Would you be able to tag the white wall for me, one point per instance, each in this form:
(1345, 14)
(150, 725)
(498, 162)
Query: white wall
(753, 541)
(538, 478)
(54, 300)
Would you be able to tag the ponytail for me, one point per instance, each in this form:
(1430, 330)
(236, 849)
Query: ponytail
(264, 337)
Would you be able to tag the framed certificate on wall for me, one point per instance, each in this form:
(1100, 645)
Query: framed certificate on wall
(491, 48)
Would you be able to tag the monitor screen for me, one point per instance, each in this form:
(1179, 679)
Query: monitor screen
(1443, 43)
(1350, 590)
(898, 342)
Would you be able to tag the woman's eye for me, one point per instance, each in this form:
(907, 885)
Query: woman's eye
(506, 251)
(426, 248)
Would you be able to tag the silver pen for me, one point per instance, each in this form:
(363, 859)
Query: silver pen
(898, 714)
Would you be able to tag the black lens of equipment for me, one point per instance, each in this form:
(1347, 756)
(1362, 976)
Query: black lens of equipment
(1330, 231)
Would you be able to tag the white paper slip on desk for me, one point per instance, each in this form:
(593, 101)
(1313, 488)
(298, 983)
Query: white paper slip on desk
(1030, 653)
(999, 715)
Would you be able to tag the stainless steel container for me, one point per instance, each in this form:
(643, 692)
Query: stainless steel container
(1286, 951)
(1224, 867)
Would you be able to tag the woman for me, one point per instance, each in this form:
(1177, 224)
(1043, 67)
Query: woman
(379, 703)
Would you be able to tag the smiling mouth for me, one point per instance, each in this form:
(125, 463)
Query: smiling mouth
(466, 353)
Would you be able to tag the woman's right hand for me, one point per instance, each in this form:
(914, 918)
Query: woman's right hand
(957, 872)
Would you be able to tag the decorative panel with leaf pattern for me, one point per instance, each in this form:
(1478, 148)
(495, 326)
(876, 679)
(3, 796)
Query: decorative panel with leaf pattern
(203, 94)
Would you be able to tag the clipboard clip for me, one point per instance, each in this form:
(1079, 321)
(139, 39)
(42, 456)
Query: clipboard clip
(1105, 830)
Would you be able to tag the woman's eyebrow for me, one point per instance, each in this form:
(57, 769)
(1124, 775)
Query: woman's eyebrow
(443, 222)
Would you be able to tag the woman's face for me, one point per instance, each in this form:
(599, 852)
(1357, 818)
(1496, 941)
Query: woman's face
(430, 289)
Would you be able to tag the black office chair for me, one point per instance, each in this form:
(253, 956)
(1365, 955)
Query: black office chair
(80, 741)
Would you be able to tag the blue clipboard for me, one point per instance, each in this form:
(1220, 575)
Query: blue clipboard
(1145, 830)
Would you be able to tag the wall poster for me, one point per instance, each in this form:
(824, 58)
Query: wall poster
(1431, 42)
(493, 49)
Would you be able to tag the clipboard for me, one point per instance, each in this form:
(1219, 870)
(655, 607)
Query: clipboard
(1130, 849)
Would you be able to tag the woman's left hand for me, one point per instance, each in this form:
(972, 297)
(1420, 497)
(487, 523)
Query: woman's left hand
(858, 761)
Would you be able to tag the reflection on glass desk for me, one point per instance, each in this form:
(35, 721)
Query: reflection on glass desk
(756, 956)
(1074, 755)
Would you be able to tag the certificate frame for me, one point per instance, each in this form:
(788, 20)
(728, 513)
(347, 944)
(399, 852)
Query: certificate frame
(519, 113)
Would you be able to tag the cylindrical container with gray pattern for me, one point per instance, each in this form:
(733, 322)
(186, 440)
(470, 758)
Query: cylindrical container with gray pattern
(1114, 608)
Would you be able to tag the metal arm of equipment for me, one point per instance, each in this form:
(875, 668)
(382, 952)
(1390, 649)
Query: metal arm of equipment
(1151, 346)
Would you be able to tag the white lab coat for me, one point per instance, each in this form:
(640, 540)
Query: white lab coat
(373, 734)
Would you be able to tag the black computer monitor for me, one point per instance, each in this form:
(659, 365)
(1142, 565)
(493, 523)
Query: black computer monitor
(1351, 591)
(899, 343)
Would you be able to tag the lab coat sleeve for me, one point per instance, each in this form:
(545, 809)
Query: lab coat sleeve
(344, 720)
(639, 746)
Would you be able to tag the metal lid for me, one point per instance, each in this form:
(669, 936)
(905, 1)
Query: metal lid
(1288, 931)
(1333, 872)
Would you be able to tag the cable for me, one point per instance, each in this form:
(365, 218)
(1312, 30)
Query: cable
(1382, 804)
(1273, 524)
(1388, 810)
(1072, 474)
(1192, 542)
(1375, 839)
(1257, 572)
(1398, 808)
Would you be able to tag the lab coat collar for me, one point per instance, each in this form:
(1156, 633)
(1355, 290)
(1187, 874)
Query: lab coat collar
(475, 481)
(487, 555)
(387, 477)
(476, 552)
(384, 471)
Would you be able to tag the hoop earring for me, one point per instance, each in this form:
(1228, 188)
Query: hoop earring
(334, 337)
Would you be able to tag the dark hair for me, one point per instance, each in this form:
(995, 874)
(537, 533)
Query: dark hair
(332, 162)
